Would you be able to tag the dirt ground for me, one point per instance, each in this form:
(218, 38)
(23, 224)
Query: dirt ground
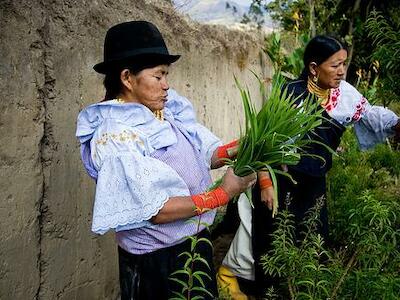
(221, 246)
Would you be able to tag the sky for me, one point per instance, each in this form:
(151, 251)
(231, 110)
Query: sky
(240, 2)
(243, 2)
(213, 11)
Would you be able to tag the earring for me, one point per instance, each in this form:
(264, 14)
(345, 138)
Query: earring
(315, 79)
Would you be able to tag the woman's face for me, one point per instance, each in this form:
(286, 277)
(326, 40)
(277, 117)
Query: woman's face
(149, 87)
(331, 71)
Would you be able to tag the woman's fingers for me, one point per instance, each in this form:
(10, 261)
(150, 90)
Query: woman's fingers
(267, 197)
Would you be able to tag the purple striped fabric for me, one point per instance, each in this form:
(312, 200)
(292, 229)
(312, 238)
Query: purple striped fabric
(191, 166)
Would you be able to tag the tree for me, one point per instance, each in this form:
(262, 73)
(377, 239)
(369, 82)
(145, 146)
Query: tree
(343, 19)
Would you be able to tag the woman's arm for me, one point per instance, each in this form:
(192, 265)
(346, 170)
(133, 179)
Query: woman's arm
(188, 206)
(375, 125)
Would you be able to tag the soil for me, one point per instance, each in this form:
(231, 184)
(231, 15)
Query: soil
(221, 246)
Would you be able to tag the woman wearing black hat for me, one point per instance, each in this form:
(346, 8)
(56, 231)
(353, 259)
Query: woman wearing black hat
(151, 160)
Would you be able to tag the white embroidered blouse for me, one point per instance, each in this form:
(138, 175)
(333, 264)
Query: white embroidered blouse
(117, 140)
(372, 124)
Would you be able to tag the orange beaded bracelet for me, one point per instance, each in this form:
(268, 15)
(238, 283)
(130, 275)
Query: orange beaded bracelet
(265, 182)
(225, 151)
(210, 200)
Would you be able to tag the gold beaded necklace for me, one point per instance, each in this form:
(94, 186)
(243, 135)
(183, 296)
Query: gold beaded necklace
(321, 93)
(158, 114)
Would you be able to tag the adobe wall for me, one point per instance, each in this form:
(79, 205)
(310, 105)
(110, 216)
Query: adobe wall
(47, 51)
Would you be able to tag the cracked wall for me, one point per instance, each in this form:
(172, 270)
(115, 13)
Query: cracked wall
(47, 51)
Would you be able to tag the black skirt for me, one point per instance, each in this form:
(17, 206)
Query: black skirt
(298, 199)
(146, 276)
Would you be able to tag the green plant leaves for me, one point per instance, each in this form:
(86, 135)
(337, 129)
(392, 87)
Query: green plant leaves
(277, 134)
(364, 262)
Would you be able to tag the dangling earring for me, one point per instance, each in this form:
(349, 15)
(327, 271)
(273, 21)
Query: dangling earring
(315, 79)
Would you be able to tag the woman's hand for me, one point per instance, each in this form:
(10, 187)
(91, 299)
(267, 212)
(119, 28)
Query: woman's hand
(266, 188)
(234, 185)
(267, 197)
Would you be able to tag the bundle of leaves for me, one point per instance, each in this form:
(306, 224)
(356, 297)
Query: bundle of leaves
(276, 135)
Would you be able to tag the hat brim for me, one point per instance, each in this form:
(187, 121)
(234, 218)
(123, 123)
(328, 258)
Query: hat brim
(161, 59)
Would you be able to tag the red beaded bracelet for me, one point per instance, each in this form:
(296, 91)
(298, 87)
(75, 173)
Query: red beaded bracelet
(224, 151)
(210, 200)
(264, 182)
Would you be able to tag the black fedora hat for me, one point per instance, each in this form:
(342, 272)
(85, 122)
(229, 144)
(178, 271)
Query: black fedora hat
(129, 40)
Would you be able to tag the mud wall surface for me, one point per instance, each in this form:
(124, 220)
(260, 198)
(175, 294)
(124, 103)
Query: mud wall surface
(47, 51)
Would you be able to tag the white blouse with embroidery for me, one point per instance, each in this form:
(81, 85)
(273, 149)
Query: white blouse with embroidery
(119, 138)
(372, 124)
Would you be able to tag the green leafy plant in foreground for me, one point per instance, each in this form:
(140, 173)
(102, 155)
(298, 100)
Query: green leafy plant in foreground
(190, 279)
(301, 264)
(362, 260)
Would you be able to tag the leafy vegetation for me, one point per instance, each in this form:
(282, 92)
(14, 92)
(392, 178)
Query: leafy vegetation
(363, 259)
(301, 266)
(386, 40)
(290, 64)
(190, 278)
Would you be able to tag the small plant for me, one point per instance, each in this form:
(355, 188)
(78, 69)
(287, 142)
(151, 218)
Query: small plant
(271, 294)
(300, 263)
(190, 279)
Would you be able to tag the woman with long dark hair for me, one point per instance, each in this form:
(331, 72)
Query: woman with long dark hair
(323, 80)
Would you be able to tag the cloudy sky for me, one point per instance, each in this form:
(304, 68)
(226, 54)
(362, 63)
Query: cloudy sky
(216, 12)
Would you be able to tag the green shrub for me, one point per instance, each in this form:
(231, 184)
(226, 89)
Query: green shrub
(364, 211)
(384, 157)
